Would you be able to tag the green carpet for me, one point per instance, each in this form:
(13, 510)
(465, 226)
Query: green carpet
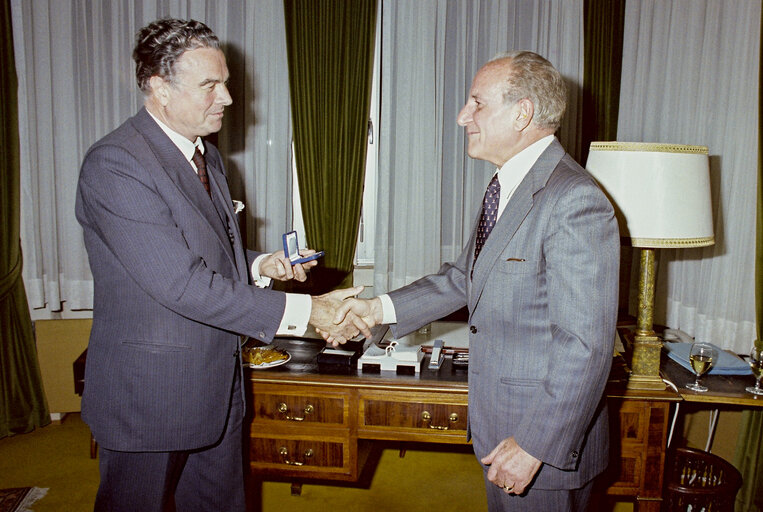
(58, 457)
(440, 478)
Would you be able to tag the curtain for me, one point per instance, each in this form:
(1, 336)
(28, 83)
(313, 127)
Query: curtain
(330, 45)
(77, 83)
(428, 188)
(749, 449)
(688, 67)
(603, 51)
(22, 401)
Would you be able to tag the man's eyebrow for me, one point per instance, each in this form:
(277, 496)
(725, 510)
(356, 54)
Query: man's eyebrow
(211, 81)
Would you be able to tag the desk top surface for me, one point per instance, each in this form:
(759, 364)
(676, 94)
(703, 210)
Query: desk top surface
(303, 368)
(722, 389)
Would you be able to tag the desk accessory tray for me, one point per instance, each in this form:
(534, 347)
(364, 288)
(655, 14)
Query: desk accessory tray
(403, 360)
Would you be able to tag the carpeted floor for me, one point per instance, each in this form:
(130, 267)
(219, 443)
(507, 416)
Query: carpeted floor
(447, 480)
(441, 478)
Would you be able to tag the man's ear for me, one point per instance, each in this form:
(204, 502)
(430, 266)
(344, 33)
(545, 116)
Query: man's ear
(524, 114)
(159, 89)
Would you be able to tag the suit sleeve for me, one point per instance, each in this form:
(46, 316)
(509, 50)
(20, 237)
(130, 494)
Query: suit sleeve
(581, 251)
(430, 298)
(124, 212)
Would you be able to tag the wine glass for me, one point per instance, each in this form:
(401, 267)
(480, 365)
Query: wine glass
(701, 357)
(756, 364)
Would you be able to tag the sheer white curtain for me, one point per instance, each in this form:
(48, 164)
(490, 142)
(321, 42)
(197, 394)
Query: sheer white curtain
(690, 76)
(428, 188)
(76, 83)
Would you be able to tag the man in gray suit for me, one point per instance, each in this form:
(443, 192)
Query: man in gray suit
(164, 393)
(540, 283)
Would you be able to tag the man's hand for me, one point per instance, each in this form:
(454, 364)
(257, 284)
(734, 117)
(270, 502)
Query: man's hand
(277, 266)
(324, 313)
(511, 468)
(370, 310)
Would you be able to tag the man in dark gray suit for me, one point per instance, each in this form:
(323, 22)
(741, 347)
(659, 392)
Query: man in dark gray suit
(172, 294)
(540, 283)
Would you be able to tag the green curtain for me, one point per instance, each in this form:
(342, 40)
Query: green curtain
(604, 21)
(749, 450)
(330, 45)
(22, 401)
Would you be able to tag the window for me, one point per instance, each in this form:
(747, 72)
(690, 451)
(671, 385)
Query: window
(364, 251)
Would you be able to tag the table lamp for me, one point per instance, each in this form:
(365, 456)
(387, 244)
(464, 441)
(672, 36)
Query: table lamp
(661, 195)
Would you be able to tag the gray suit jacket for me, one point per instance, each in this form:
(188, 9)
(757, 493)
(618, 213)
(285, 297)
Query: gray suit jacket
(542, 312)
(171, 293)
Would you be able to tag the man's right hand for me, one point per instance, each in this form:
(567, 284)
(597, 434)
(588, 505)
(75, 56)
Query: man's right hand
(327, 322)
(369, 311)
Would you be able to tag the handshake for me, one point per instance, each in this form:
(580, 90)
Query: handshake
(338, 316)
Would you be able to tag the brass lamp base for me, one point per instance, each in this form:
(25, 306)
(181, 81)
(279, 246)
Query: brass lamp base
(645, 364)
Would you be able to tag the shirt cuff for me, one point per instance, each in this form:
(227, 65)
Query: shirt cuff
(296, 315)
(257, 279)
(389, 316)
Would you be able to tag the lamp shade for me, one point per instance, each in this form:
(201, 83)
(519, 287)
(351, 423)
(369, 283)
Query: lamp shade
(661, 192)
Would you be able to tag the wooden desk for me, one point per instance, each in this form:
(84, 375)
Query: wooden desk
(310, 425)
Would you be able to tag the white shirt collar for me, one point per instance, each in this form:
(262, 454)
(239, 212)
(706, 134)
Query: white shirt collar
(184, 145)
(514, 171)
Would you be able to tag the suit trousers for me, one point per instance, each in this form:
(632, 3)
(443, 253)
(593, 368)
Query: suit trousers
(209, 479)
(536, 500)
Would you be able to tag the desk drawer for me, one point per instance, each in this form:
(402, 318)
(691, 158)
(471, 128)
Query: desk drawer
(332, 457)
(416, 414)
(297, 452)
(299, 405)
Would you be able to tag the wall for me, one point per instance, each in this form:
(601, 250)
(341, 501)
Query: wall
(59, 344)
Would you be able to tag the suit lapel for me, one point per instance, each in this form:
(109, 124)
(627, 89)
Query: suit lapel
(224, 205)
(179, 170)
(517, 209)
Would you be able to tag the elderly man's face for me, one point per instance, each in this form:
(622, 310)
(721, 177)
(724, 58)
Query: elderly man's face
(193, 103)
(488, 121)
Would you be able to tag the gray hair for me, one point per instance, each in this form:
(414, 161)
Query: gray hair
(159, 45)
(532, 76)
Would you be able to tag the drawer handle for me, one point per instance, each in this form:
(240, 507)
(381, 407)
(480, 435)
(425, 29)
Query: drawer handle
(427, 417)
(283, 408)
(285, 453)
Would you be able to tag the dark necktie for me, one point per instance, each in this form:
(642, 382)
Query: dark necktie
(201, 168)
(489, 214)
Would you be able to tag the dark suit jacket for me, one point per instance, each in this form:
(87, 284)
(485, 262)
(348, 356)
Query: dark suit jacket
(542, 312)
(171, 293)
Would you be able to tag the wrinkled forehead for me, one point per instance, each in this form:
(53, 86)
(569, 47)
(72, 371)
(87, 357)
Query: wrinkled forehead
(491, 79)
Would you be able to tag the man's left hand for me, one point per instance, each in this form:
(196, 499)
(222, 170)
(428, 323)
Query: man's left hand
(277, 266)
(511, 468)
